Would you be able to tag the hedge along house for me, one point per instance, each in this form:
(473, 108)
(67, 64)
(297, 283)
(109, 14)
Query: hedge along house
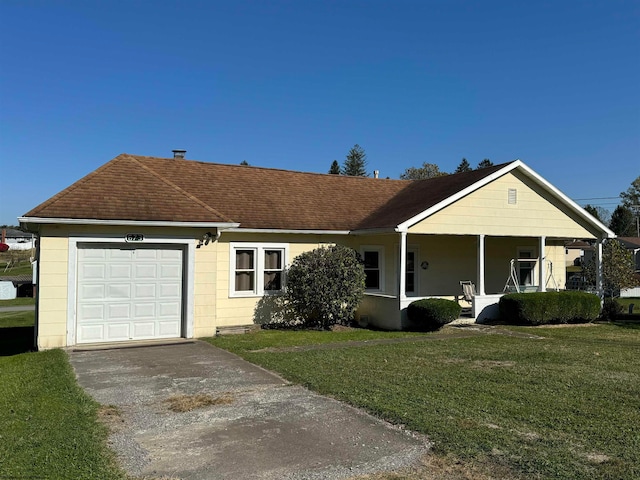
(152, 248)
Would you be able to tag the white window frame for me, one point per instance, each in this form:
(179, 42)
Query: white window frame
(259, 249)
(533, 251)
(380, 250)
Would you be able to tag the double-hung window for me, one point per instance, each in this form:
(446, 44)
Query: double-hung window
(373, 257)
(257, 268)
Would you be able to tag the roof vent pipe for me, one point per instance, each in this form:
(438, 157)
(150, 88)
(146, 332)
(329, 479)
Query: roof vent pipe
(376, 173)
(179, 154)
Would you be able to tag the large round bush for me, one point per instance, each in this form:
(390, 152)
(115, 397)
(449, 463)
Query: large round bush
(325, 286)
(432, 313)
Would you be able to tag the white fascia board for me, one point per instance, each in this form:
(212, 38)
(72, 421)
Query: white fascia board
(404, 226)
(139, 223)
(566, 200)
(374, 231)
(235, 229)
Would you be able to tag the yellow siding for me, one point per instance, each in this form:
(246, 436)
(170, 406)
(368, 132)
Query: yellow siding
(238, 311)
(52, 292)
(205, 291)
(487, 211)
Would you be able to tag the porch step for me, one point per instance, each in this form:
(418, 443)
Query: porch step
(233, 330)
(463, 321)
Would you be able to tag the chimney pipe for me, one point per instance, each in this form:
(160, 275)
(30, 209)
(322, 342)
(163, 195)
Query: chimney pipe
(376, 173)
(179, 154)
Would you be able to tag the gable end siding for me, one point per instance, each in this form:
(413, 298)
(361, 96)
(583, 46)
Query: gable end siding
(488, 211)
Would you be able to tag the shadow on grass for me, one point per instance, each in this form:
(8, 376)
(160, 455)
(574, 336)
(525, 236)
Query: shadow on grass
(16, 340)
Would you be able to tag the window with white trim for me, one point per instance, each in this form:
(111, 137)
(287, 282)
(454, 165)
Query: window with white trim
(256, 269)
(373, 257)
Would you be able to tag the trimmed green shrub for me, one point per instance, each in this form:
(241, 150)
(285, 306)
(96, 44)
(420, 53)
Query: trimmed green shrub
(325, 286)
(432, 313)
(540, 308)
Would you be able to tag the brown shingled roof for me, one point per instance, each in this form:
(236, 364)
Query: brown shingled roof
(132, 187)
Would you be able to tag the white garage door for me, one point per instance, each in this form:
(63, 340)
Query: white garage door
(127, 293)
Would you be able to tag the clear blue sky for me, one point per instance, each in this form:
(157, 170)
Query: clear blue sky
(295, 84)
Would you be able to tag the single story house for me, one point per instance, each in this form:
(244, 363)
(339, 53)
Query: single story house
(154, 248)
(17, 240)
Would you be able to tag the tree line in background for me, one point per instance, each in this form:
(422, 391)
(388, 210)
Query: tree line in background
(624, 219)
(355, 165)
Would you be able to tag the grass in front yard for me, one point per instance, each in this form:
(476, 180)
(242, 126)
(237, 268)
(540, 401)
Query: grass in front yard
(565, 406)
(48, 425)
(17, 319)
(20, 301)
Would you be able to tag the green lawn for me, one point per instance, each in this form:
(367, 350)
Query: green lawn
(48, 425)
(18, 302)
(17, 319)
(564, 406)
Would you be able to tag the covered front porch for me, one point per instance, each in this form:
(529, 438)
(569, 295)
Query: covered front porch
(433, 265)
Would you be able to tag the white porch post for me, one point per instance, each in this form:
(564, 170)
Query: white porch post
(403, 266)
(598, 252)
(542, 271)
(480, 282)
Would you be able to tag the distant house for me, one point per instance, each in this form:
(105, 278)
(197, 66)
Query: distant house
(151, 248)
(17, 239)
(633, 245)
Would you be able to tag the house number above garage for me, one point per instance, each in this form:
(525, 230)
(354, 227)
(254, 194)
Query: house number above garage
(134, 237)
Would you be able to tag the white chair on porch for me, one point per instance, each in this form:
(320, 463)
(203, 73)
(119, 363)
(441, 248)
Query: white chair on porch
(468, 292)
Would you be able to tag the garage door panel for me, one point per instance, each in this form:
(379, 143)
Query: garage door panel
(128, 293)
(118, 311)
(145, 310)
(119, 253)
(120, 272)
(118, 291)
(169, 271)
(145, 290)
(144, 330)
(91, 312)
(91, 292)
(168, 309)
(168, 329)
(118, 331)
(92, 271)
(171, 255)
(146, 272)
(170, 290)
(91, 333)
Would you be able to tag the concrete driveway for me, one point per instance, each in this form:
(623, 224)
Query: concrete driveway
(266, 428)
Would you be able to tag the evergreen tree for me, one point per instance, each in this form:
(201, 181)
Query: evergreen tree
(244, 162)
(355, 164)
(484, 164)
(428, 170)
(463, 167)
(335, 168)
(622, 222)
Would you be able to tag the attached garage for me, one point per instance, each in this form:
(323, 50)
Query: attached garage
(127, 292)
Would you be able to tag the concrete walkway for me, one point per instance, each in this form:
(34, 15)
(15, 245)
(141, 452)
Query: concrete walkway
(263, 428)
(18, 308)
